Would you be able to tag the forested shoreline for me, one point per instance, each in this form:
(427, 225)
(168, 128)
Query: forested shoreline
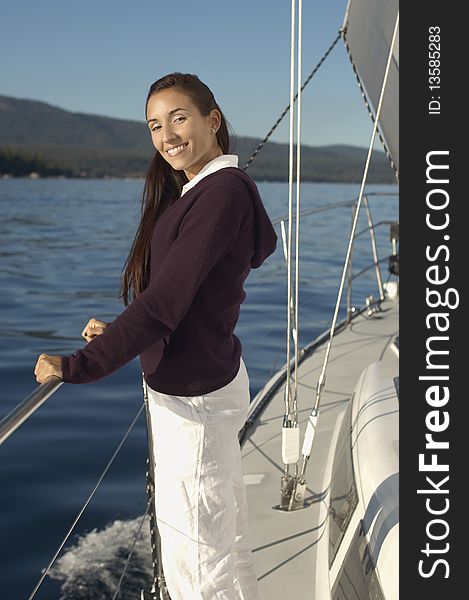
(40, 140)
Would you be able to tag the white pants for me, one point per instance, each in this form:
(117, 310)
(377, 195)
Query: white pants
(201, 507)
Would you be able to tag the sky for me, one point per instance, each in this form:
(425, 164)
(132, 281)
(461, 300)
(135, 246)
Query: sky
(101, 56)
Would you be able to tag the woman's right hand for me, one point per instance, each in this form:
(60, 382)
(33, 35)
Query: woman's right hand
(93, 328)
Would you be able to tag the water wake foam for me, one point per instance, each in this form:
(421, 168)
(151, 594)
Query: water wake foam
(90, 570)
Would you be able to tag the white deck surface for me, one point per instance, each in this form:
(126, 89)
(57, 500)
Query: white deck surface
(286, 544)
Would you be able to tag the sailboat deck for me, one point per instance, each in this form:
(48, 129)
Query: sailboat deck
(290, 549)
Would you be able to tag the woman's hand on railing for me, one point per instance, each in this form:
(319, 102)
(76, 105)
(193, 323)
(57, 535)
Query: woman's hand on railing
(47, 367)
(93, 328)
(51, 366)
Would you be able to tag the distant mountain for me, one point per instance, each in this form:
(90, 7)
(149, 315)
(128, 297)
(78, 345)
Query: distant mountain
(39, 137)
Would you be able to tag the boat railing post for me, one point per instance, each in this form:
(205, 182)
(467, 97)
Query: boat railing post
(374, 249)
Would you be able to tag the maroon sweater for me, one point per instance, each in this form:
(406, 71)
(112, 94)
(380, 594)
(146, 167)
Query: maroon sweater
(182, 324)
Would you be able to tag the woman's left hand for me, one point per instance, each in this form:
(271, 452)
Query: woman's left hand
(47, 367)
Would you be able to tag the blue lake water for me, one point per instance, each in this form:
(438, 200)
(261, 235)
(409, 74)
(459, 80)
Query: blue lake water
(62, 247)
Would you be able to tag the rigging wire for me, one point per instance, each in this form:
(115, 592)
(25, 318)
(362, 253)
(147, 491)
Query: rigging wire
(77, 518)
(308, 441)
(287, 108)
(290, 430)
(343, 33)
(290, 208)
(297, 231)
(355, 221)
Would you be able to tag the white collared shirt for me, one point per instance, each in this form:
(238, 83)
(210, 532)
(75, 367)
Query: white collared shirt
(225, 160)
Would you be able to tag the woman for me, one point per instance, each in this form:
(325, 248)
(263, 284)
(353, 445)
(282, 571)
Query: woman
(203, 227)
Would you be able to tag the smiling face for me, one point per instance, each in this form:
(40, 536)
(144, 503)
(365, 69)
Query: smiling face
(180, 133)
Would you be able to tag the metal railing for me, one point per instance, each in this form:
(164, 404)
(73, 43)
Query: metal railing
(27, 407)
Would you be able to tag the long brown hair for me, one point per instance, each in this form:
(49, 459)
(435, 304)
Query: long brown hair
(163, 184)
